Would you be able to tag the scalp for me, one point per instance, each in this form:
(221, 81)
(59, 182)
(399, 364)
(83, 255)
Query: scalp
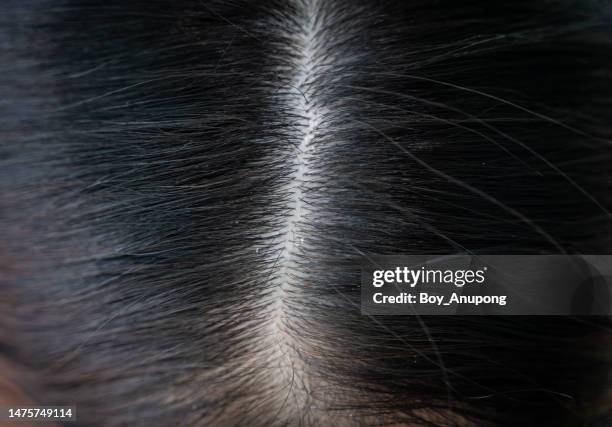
(188, 187)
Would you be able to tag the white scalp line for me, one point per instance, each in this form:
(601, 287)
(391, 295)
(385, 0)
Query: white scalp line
(302, 106)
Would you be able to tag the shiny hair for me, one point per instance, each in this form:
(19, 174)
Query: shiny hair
(188, 186)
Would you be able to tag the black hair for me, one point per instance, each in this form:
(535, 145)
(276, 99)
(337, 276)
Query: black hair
(187, 187)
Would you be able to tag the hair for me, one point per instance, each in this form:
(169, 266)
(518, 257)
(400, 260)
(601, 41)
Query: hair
(187, 187)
